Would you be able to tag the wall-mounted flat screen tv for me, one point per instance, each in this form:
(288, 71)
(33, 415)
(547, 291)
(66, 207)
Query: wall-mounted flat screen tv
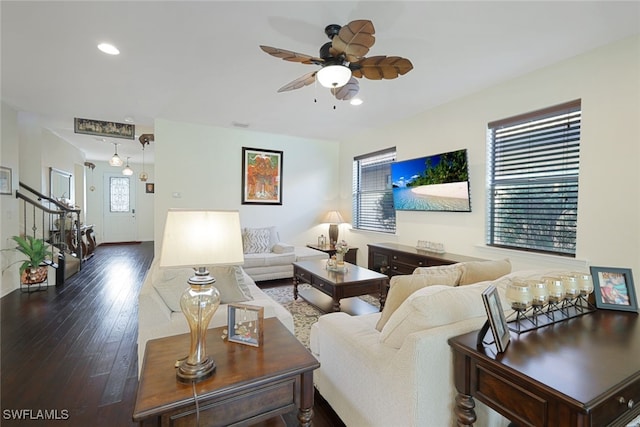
(433, 183)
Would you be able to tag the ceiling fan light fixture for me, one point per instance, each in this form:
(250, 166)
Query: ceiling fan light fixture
(333, 76)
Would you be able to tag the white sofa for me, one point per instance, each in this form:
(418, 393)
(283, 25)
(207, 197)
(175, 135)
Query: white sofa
(266, 258)
(159, 313)
(402, 375)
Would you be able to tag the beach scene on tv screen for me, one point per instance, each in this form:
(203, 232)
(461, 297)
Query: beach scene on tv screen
(433, 183)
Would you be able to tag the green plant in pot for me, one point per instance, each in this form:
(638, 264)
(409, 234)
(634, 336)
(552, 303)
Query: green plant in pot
(37, 252)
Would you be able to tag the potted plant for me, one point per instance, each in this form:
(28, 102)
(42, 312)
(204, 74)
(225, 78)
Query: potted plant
(38, 256)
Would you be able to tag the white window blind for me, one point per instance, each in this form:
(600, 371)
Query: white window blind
(533, 170)
(372, 192)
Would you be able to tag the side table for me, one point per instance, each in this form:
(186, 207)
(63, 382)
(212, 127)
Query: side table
(250, 384)
(351, 256)
(581, 372)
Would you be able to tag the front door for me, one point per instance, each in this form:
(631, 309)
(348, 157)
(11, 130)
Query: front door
(119, 208)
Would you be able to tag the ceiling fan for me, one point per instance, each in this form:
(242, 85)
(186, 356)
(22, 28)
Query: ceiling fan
(342, 59)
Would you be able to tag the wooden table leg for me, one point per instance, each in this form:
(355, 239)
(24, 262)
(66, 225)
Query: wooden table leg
(295, 287)
(464, 410)
(305, 412)
(336, 304)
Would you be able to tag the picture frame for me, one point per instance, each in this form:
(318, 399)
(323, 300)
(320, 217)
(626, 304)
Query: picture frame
(613, 288)
(102, 128)
(496, 318)
(261, 176)
(150, 187)
(245, 324)
(6, 180)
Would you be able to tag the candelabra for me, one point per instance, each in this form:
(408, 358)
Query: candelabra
(538, 303)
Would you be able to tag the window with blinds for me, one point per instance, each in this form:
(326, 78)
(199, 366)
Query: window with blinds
(372, 192)
(533, 170)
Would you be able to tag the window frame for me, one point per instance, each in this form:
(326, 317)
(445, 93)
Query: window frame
(533, 169)
(362, 209)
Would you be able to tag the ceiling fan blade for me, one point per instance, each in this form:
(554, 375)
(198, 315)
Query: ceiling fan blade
(301, 81)
(289, 55)
(347, 91)
(354, 40)
(381, 67)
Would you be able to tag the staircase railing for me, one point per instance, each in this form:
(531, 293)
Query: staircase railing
(48, 219)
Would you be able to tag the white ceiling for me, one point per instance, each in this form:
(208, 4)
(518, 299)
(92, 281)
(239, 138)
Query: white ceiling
(200, 62)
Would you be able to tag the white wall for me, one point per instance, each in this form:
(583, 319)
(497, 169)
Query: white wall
(203, 166)
(607, 80)
(8, 204)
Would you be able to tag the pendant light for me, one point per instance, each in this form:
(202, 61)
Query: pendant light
(116, 160)
(144, 140)
(91, 166)
(127, 171)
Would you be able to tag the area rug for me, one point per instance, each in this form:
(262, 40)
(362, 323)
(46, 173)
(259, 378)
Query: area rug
(304, 314)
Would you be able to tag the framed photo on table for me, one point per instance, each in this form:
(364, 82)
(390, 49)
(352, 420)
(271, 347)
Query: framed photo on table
(497, 320)
(613, 288)
(261, 176)
(245, 323)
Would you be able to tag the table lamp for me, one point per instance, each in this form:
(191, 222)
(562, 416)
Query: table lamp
(200, 238)
(333, 218)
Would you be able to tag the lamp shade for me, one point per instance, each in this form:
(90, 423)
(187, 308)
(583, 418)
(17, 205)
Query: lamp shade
(333, 76)
(333, 217)
(195, 238)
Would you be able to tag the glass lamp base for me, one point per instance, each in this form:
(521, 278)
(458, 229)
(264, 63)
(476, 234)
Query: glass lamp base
(188, 373)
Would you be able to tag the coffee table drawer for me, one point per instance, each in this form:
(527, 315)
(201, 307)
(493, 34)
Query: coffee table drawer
(322, 285)
(253, 405)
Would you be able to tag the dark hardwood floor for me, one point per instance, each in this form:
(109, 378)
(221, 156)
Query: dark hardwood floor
(69, 353)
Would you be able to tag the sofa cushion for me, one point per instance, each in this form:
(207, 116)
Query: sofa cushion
(268, 259)
(171, 284)
(433, 306)
(403, 286)
(479, 271)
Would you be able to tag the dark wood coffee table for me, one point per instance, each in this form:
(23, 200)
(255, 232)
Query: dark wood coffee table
(250, 384)
(338, 289)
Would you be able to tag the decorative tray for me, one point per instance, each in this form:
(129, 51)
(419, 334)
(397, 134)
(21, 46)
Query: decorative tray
(337, 269)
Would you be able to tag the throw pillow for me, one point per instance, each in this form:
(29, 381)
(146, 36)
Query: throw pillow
(231, 284)
(442, 269)
(431, 307)
(283, 248)
(480, 271)
(256, 240)
(403, 286)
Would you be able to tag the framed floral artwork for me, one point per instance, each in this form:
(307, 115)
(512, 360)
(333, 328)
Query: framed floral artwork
(261, 176)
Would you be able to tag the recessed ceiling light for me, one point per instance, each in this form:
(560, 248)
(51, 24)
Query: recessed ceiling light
(356, 101)
(128, 119)
(108, 49)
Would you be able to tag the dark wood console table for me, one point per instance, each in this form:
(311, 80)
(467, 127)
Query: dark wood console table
(392, 258)
(580, 372)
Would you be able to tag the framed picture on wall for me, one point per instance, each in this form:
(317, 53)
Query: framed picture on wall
(261, 176)
(6, 183)
(150, 187)
(613, 288)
